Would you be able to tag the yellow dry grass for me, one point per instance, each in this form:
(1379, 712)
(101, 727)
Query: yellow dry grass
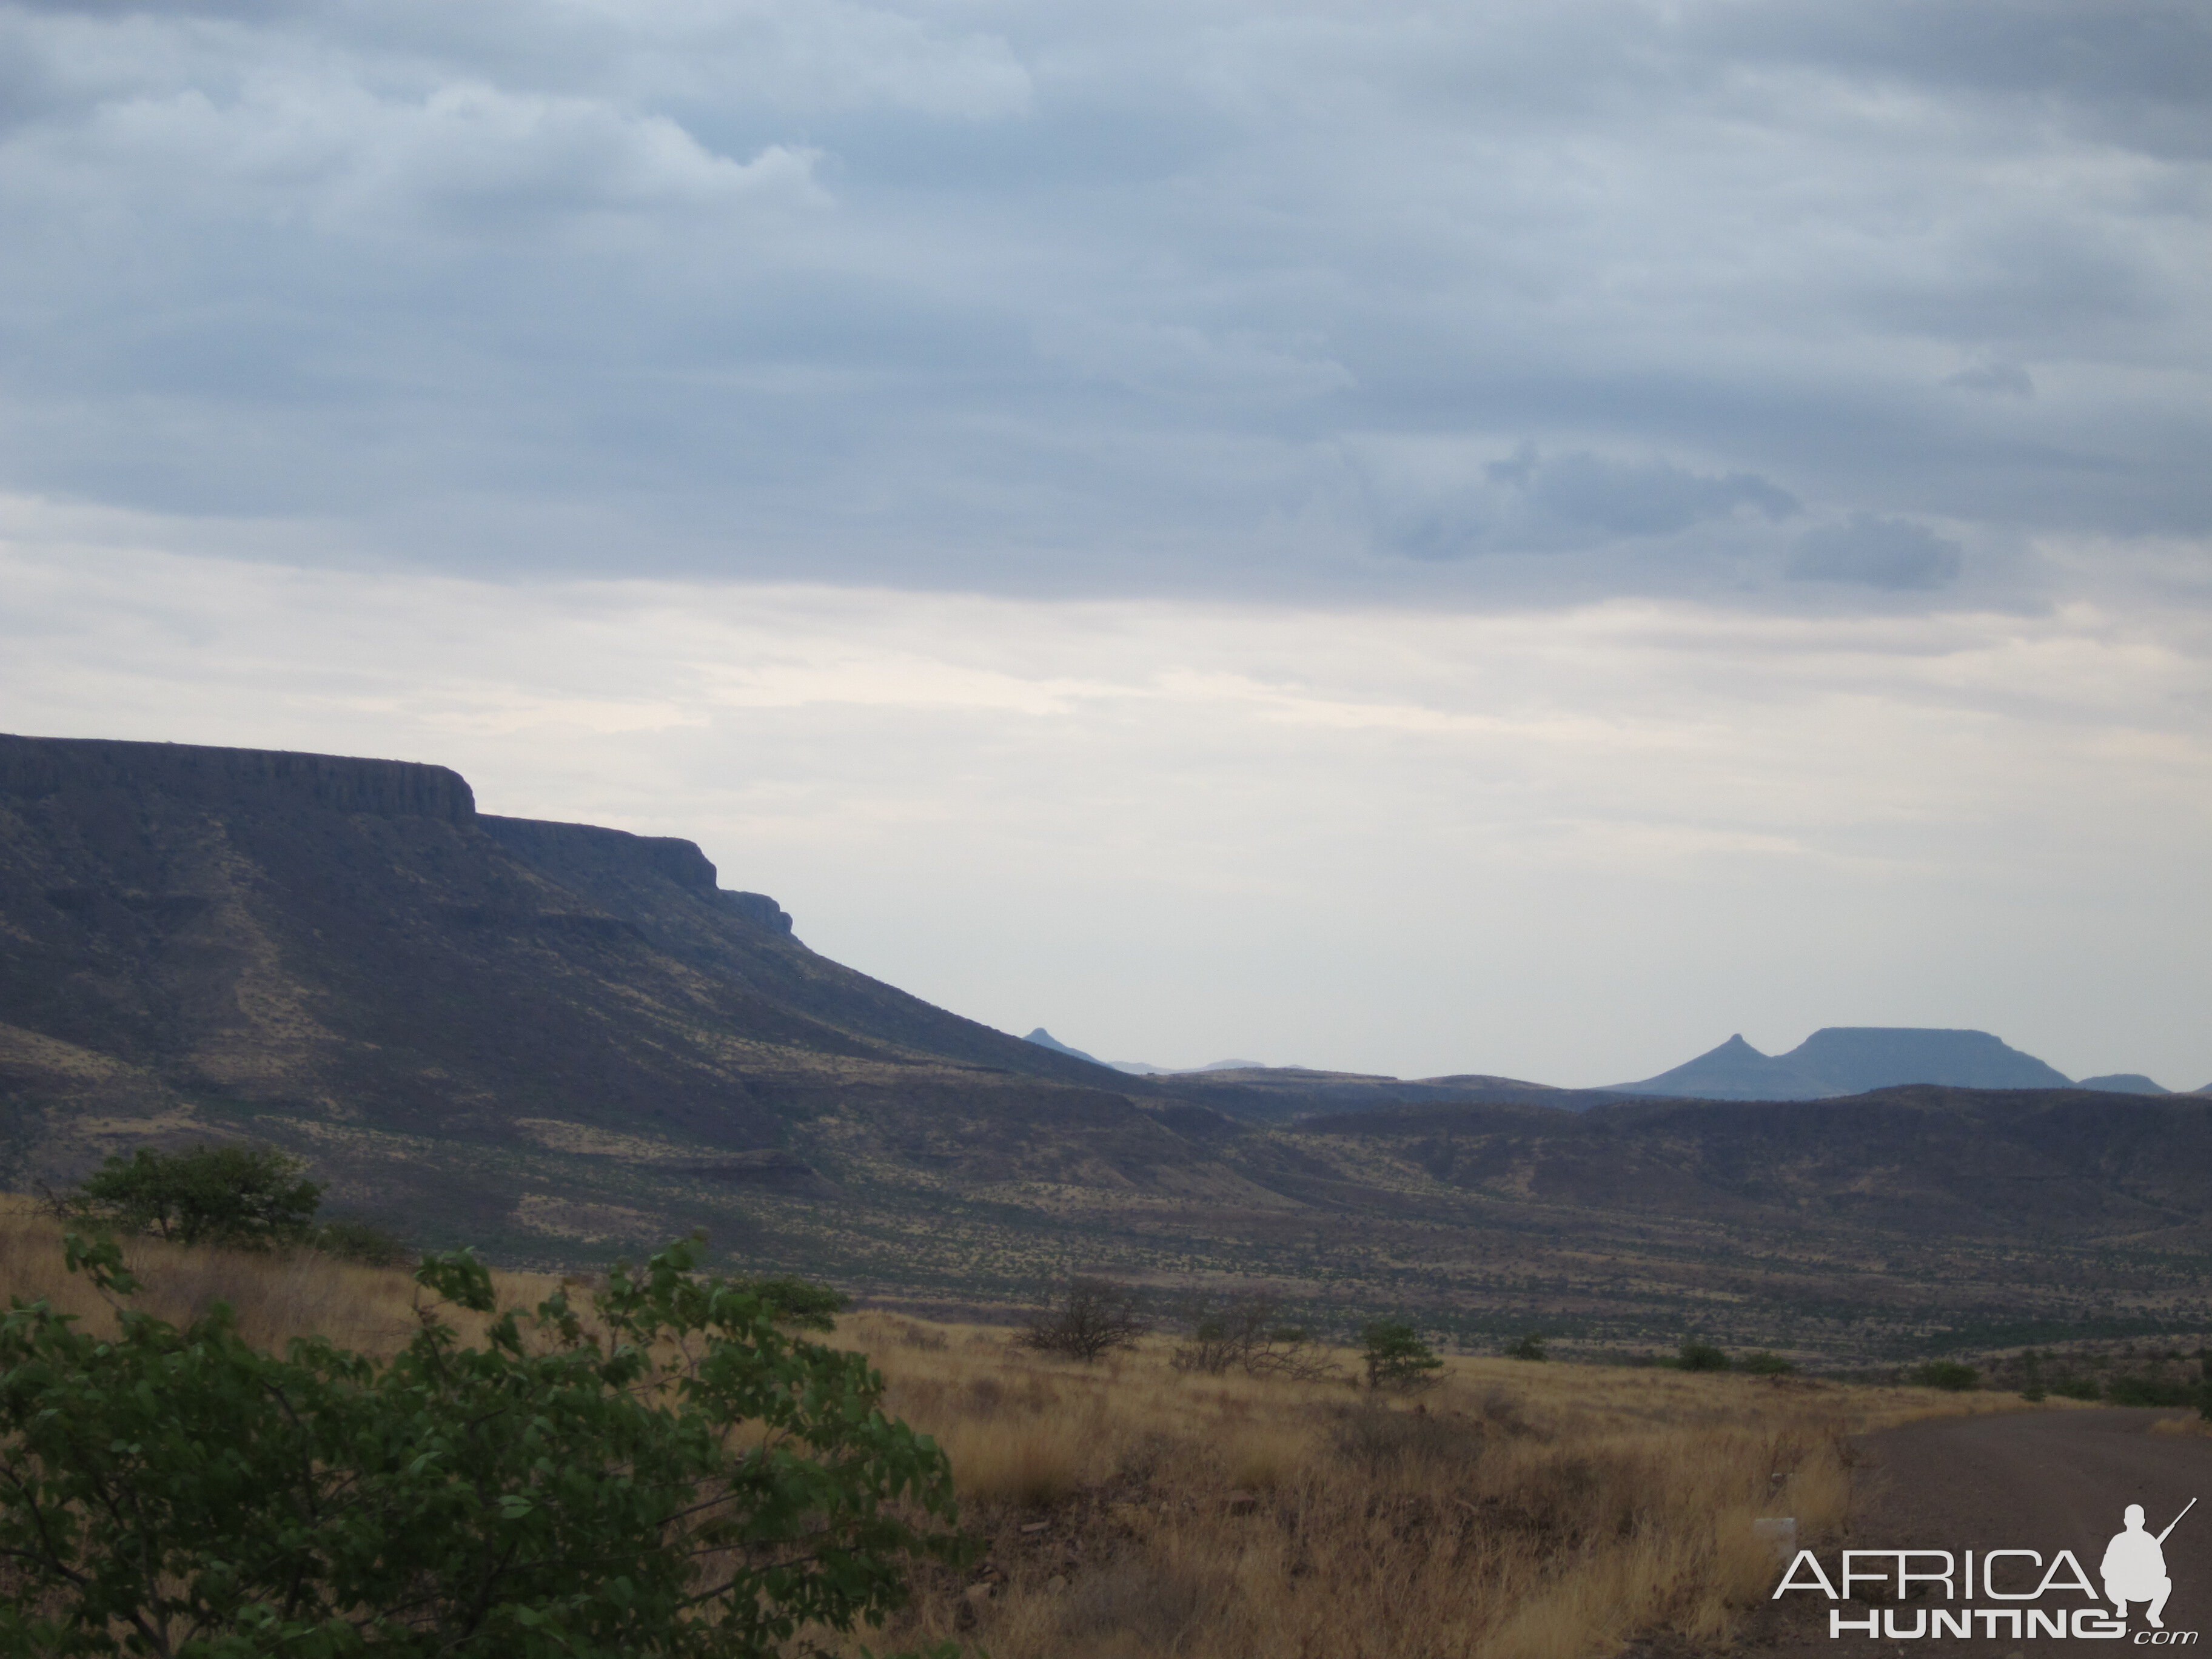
(1511, 1511)
(2192, 1427)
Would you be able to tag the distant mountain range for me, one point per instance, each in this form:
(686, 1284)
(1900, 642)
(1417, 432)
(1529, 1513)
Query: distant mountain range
(1044, 1039)
(1834, 1061)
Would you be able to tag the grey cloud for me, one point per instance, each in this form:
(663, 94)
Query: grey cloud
(2002, 379)
(1224, 299)
(1876, 552)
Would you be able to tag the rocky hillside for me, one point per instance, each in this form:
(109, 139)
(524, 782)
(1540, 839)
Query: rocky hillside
(342, 949)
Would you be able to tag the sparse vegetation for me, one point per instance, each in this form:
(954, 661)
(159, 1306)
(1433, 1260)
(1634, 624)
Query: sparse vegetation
(1763, 1363)
(1530, 1346)
(1129, 1509)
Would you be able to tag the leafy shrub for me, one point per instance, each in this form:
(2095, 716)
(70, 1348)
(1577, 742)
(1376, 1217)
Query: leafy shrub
(560, 1491)
(1394, 1355)
(795, 1303)
(2077, 1387)
(364, 1241)
(248, 1197)
(1763, 1363)
(1530, 1346)
(1089, 1319)
(1947, 1374)
(1696, 1356)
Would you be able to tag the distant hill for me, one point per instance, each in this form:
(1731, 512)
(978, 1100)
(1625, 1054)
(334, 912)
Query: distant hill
(1850, 1059)
(2123, 1083)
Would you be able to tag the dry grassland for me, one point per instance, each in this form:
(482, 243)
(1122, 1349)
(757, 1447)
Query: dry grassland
(1511, 1511)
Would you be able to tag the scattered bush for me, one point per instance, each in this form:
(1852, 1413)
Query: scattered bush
(1530, 1346)
(1394, 1355)
(1763, 1363)
(2077, 1387)
(562, 1490)
(1696, 1356)
(362, 1242)
(1949, 1375)
(2151, 1391)
(246, 1197)
(795, 1303)
(1245, 1333)
(1091, 1319)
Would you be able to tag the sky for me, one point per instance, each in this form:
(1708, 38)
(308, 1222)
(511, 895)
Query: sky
(1517, 537)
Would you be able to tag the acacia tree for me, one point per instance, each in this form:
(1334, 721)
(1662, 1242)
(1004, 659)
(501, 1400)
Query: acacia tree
(247, 1196)
(1088, 1320)
(675, 1475)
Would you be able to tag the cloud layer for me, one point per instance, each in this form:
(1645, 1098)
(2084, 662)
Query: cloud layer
(1522, 302)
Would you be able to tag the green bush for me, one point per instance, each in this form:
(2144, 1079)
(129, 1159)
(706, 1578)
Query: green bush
(1530, 1346)
(1696, 1356)
(1763, 1363)
(248, 1197)
(1394, 1355)
(561, 1490)
(2150, 1391)
(1947, 1374)
(2077, 1387)
(348, 1240)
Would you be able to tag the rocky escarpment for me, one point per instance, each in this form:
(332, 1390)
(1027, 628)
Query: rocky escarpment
(339, 948)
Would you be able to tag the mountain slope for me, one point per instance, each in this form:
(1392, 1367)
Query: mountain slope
(349, 943)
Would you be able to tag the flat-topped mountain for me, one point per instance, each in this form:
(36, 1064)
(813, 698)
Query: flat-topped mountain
(348, 948)
(1850, 1059)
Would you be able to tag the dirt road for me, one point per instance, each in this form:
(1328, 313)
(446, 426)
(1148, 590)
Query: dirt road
(2046, 1481)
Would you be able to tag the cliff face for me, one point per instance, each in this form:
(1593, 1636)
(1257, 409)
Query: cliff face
(311, 940)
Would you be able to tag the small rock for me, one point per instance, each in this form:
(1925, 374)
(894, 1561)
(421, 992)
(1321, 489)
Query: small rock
(1241, 1502)
(1055, 1583)
(978, 1595)
(1034, 1526)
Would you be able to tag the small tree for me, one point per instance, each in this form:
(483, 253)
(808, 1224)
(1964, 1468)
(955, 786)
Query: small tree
(248, 1197)
(1696, 1356)
(685, 1480)
(1763, 1363)
(1090, 1318)
(1530, 1346)
(1394, 1355)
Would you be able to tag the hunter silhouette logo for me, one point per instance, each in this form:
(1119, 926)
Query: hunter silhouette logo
(2014, 1588)
(2134, 1569)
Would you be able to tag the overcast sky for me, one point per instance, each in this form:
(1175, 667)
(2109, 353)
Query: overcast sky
(1519, 538)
